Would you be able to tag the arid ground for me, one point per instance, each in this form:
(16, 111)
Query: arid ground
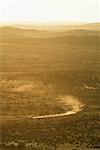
(50, 87)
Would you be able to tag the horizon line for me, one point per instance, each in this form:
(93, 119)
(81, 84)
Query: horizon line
(48, 23)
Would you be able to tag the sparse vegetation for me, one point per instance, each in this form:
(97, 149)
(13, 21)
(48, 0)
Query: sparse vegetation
(34, 73)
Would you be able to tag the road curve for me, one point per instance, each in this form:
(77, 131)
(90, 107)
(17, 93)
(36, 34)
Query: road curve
(69, 101)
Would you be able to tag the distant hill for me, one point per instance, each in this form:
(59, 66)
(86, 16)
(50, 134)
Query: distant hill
(10, 31)
(91, 26)
(30, 49)
(62, 27)
(49, 31)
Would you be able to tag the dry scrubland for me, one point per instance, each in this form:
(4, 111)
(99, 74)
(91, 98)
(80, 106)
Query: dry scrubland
(39, 69)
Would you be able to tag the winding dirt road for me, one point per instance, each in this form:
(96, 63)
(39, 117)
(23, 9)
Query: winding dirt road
(68, 101)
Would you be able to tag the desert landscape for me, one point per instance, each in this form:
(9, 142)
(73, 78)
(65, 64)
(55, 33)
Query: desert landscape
(50, 87)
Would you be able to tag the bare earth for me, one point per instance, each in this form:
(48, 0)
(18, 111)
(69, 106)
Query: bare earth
(50, 88)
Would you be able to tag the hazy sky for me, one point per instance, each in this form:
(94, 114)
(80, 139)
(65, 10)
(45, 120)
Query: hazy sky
(49, 10)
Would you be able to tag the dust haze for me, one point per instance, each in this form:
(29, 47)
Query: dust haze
(50, 87)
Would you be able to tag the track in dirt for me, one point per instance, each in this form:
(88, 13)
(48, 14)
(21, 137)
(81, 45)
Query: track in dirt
(69, 101)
